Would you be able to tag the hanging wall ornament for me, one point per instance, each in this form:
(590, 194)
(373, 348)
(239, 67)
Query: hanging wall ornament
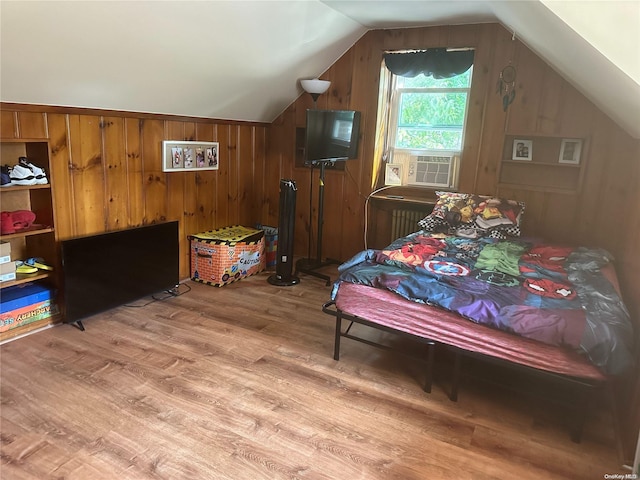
(506, 86)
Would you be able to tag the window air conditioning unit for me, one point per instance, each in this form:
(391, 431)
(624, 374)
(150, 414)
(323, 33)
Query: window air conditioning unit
(431, 170)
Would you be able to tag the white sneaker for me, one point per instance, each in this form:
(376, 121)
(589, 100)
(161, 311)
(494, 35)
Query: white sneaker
(22, 176)
(41, 176)
(38, 173)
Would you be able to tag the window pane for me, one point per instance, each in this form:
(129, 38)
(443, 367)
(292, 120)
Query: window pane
(430, 139)
(432, 109)
(459, 81)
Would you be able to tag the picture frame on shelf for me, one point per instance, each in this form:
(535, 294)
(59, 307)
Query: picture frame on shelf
(393, 174)
(570, 150)
(185, 156)
(522, 150)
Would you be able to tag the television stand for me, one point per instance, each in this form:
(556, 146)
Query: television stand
(78, 324)
(310, 265)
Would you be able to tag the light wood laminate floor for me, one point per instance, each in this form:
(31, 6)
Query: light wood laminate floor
(240, 383)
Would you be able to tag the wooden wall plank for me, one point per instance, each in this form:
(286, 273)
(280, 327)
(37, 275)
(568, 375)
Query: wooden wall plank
(174, 130)
(248, 188)
(461, 36)
(134, 178)
(233, 210)
(8, 124)
(577, 114)
(176, 192)
(524, 111)
(260, 169)
(494, 120)
(480, 93)
(205, 185)
(87, 173)
(614, 202)
(155, 202)
(550, 101)
(221, 193)
(32, 125)
(64, 201)
(115, 160)
(177, 131)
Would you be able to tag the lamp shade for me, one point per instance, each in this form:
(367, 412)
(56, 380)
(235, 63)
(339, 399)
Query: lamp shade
(315, 86)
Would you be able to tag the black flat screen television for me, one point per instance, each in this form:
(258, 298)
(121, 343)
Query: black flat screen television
(331, 135)
(107, 270)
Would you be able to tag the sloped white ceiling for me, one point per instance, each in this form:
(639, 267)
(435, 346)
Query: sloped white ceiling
(614, 30)
(242, 59)
(236, 60)
(593, 45)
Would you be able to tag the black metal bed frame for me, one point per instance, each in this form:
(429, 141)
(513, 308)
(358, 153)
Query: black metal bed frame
(584, 389)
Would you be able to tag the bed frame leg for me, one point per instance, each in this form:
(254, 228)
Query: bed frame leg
(431, 348)
(455, 380)
(581, 411)
(336, 346)
(578, 422)
(576, 432)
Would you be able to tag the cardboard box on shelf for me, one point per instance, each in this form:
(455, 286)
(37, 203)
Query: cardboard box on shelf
(7, 271)
(5, 252)
(223, 256)
(7, 267)
(7, 277)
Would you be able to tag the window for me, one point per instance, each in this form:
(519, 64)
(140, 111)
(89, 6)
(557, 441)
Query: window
(427, 127)
(430, 113)
(426, 123)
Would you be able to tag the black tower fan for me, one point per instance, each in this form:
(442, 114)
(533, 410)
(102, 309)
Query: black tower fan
(286, 224)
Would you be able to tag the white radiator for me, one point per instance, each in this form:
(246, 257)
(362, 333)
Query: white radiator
(404, 222)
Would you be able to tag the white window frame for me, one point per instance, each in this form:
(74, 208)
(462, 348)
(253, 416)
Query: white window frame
(393, 127)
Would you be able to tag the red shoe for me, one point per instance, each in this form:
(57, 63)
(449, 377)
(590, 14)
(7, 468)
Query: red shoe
(6, 224)
(22, 219)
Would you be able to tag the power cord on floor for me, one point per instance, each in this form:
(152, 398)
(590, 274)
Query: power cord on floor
(170, 293)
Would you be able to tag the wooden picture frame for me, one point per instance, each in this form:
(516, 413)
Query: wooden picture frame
(570, 150)
(522, 150)
(190, 156)
(393, 174)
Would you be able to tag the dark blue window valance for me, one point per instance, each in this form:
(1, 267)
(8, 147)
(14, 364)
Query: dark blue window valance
(435, 62)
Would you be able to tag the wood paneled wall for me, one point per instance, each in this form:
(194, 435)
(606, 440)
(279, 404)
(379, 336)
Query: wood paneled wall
(604, 213)
(107, 171)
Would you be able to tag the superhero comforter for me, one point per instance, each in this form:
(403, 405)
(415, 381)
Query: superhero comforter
(554, 294)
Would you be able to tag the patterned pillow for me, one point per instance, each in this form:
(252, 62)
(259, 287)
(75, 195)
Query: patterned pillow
(431, 223)
(495, 214)
(492, 216)
(454, 208)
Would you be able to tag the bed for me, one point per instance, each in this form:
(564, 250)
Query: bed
(469, 282)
